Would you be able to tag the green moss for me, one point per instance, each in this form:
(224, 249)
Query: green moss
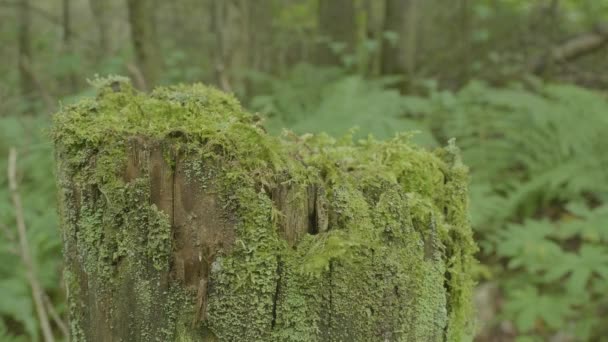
(395, 263)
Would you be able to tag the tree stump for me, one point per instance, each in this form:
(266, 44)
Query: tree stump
(182, 220)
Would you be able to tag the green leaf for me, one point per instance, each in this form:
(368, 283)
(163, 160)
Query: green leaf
(527, 306)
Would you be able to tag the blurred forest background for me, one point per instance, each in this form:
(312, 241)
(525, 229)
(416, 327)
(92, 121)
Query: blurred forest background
(521, 84)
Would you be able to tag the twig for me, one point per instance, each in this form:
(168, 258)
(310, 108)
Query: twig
(56, 318)
(24, 247)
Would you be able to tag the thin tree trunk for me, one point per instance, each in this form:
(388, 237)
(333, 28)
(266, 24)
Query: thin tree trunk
(260, 36)
(28, 84)
(337, 31)
(145, 40)
(231, 26)
(217, 9)
(68, 47)
(399, 55)
(373, 32)
(99, 9)
(465, 39)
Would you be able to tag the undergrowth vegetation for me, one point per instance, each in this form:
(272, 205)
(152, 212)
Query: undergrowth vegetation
(538, 189)
(37, 189)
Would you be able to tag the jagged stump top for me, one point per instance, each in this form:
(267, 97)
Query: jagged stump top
(184, 221)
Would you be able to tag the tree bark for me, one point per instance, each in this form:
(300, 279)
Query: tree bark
(144, 38)
(337, 30)
(214, 231)
(399, 56)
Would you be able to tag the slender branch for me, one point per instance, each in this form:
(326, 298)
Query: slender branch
(26, 257)
(56, 318)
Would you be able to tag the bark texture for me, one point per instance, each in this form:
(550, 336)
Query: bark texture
(183, 221)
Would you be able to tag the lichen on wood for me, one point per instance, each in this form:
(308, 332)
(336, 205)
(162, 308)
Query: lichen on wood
(182, 220)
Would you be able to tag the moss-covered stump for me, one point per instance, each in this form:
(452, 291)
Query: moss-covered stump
(184, 221)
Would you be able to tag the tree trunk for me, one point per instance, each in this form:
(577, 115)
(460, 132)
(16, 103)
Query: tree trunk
(465, 40)
(373, 33)
(183, 221)
(337, 30)
(26, 79)
(99, 9)
(68, 48)
(234, 47)
(260, 37)
(145, 40)
(399, 55)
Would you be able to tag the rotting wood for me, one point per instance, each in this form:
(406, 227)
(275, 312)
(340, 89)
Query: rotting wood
(183, 220)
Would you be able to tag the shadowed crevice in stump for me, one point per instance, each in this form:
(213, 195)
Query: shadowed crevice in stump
(277, 292)
(182, 220)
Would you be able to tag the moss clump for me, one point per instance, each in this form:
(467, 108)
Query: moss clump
(184, 221)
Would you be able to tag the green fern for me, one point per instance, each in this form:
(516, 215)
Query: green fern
(538, 162)
(313, 100)
(37, 189)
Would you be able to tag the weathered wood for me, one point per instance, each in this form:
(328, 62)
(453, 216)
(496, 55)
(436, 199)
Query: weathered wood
(183, 221)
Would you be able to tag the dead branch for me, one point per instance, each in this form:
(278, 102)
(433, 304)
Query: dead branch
(24, 248)
(572, 49)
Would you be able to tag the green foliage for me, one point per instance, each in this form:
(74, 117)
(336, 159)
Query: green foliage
(37, 189)
(312, 99)
(539, 187)
(537, 155)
